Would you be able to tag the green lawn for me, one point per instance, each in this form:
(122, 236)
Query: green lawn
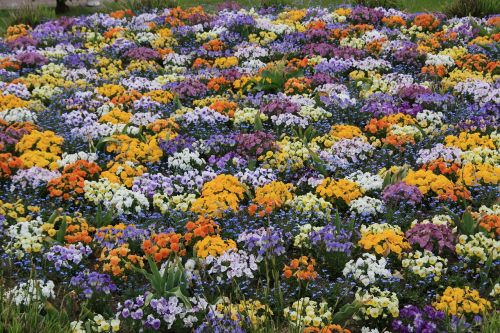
(409, 5)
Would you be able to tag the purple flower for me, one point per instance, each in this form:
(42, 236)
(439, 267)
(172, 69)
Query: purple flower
(401, 193)
(436, 238)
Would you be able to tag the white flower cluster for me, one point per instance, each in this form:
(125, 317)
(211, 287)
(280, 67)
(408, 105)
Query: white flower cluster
(232, 264)
(185, 160)
(97, 324)
(310, 202)
(478, 247)
(251, 51)
(481, 92)
(289, 120)
(116, 196)
(257, 177)
(439, 60)
(18, 115)
(366, 180)
(25, 237)
(367, 206)
(306, 312)
(376, 228)
(32, 178)
(181, 202)
(248, 115)
(430, 121)
(31, 291)
(72, 158)
(203, 115)
(367, 269)
(301, 240)
(377, 303)
(425, 264)
(314, 113)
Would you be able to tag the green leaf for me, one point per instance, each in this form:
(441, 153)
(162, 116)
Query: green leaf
(345, 313)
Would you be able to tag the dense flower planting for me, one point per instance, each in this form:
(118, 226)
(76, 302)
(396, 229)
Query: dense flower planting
(252, 170)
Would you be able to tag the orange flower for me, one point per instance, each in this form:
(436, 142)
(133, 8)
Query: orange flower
(8, 164)
(302, 268)
(160, 246)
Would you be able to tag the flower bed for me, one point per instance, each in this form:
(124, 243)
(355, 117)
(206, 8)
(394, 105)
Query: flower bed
(252, 170)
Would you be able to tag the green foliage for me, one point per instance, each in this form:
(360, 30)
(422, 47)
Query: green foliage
(491, 323)
(345, 313)
(31, 319)
(141, 5)
(477, 8)
(30, 14)
(378, 3)
(169, 282)
(273, 80)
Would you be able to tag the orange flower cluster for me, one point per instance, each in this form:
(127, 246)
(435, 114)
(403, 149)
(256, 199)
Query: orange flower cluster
(441, 166)
(162, 245)
(9, 163)
(200, 229)
(119, 260)
(476, 62)
(119, 14)
(77, 230)
(302, 269)
(333, 328)
(225, 107)
(296, 85)
(70, 183)
(214, 45)
(434, 70)
(270, 196)
(491, 223)
(426, 21)
(218, 83)
(394, 21)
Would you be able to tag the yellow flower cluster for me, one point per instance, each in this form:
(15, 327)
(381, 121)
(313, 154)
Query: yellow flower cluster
(468, 141)
(226, 62)
(472, 175)
(384, 239)
(426, 181)
(458, 301)
(342, 189)
(41, 149)
(160, 96)
(222, 193)
(134, 150)
(111, 90)
(116, 116)
(425, 264)
(459, 75)
(213, 246)
(262, 38)
(254, 310)
(345, 131)
(306, 312)
(123, 173)
(478, 247)
(9, 101)
(274, 194)
(17, 211)
(309, 202)
(291, 155)
(43, 141)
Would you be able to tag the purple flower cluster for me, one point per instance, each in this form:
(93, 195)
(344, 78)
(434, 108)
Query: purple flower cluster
(332, 239)
(142, 53)
(414, 320)
(265, 242)
(436, 238)
(251, 145)
(93, 283)
(402, 193)
(67, 256)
